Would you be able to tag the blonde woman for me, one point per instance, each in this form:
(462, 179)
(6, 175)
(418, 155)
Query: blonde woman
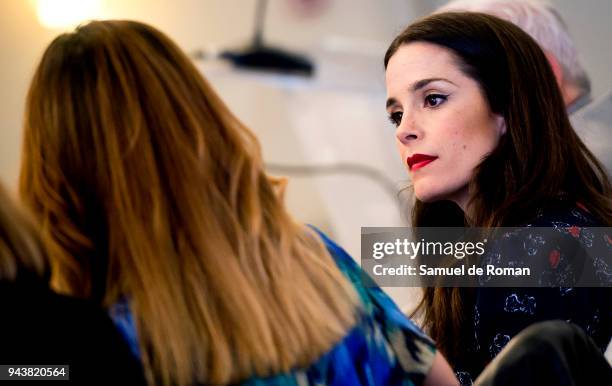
(39, 327)
(153, 201)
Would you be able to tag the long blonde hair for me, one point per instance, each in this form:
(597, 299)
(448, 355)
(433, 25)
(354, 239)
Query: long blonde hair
(146, 186)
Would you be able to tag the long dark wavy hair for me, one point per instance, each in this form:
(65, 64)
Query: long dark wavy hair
(540, 157)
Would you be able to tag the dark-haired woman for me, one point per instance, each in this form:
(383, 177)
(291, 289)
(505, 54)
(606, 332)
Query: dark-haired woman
(482, 129)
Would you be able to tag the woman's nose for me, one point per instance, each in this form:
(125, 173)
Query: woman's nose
(406, 131)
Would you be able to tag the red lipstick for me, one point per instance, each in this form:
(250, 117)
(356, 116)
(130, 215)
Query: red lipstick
(417, 161)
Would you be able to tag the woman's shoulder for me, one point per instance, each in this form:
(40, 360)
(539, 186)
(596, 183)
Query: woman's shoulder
(564, 244)
(373, 299)
(563, 224)
(384, 346)
(564, 212)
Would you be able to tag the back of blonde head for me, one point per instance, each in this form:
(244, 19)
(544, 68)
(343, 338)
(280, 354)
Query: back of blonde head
(147, 187)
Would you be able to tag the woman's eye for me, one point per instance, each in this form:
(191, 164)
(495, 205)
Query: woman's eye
(396, 118)
(434, 100)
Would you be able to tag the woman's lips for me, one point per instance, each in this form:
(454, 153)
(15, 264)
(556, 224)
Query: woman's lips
(417, 161)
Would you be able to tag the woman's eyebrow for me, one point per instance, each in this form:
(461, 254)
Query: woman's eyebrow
(424, 82)
(390, 102)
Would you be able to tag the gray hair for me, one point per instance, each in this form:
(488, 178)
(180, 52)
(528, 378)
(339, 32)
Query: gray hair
(542, 22)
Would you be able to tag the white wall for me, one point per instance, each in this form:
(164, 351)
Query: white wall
(22, 40)
(197, 24)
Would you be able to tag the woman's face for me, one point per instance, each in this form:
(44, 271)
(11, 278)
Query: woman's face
(444, 124)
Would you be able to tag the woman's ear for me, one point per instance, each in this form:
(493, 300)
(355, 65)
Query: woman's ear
(500, 124)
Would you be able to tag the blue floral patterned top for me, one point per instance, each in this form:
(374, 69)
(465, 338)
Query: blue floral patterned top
(501, 313)
(384, 348)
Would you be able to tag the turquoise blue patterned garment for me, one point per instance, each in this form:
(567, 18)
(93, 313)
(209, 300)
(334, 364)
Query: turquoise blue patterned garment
(384, 348)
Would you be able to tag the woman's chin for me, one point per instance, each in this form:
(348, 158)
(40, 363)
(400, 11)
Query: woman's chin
(423, 194)
(428, 195)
